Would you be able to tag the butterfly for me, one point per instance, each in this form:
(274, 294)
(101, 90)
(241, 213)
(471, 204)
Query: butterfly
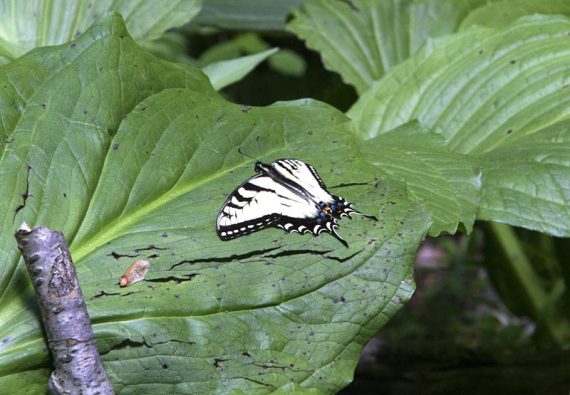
(288, 194)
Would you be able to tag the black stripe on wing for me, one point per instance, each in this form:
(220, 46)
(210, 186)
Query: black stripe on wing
(244, 228)
(316, 175)
(292, 166)
(288, 224)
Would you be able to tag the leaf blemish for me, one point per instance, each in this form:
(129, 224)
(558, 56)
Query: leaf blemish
(130, 293)
(224, 259)
(103, 293)
(174, 279)
(218, 364)
(117, 255)
(26, 193)
(151, 247)
(128, 343)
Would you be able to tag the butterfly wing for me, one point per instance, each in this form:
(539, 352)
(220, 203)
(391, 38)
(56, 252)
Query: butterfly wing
(304, 175)
(288, 194)
(258, 203)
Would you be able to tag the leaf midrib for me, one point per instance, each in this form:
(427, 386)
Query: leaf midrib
(116, 227)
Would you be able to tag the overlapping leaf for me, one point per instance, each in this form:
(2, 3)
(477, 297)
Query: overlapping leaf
(351, 36)
(226, 72)
(526, 182)
(479, 90)
(245, 14)
(501, 13)
(132, 157)
(446, 181)
(35, 23)
(363, 39)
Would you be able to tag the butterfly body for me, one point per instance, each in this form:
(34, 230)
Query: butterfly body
(287, 194)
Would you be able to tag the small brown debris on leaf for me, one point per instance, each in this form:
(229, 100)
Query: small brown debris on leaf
(134, 273)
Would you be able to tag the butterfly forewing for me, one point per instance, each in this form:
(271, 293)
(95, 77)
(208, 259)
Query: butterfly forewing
(304, 175)
(258, 203)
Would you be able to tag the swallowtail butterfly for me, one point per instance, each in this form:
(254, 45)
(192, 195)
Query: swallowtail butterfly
(287, 194)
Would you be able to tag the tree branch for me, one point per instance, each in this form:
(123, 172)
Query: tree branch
(78, 366)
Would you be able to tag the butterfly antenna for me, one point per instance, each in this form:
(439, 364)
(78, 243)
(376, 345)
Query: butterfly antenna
(246, 155)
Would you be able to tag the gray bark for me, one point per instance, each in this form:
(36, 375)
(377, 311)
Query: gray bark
(78, 366)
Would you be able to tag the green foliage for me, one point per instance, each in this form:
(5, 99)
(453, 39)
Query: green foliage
(349, 36)
(474, 124)
(132, 156)
(490, 95)
(501, 13)
(524, 284)
(285, 61)
(363, 39)
(226, 72)
(447, 182)
(36, 23)
(245, 14)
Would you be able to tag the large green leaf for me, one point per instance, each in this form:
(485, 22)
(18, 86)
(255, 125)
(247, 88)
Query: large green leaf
(526, 182)
(132, 157)
(435, 18)
(501, 13)
(362, 39)
(446, 181)
(25, 25)
(479, 88)
(245, 14)
(483, 92)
